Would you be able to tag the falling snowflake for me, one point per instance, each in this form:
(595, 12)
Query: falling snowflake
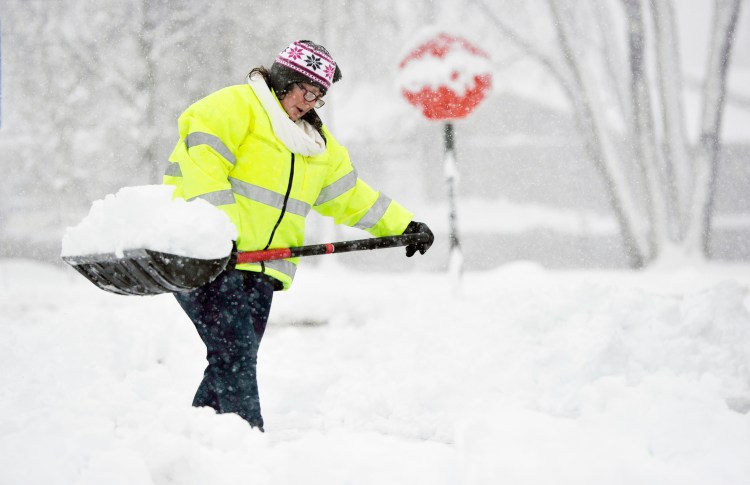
(313, 62)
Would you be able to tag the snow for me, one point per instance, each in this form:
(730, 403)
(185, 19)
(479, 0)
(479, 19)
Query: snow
(457, 69)
(518, 375)
(525, 376)
(511, 217)
(147, 217)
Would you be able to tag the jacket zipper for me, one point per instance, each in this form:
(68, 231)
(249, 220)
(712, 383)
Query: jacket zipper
(283, 209)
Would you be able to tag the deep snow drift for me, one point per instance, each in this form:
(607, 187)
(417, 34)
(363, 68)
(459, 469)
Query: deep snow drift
(526, 377)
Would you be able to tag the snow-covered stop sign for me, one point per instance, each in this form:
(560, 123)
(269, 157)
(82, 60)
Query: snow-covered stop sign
(445, 76)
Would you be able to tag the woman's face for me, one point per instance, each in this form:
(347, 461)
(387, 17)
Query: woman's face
(295, 104)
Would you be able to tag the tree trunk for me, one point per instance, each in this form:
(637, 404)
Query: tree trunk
(145, 91)
(644, 140)
(669, 87)
(726, 14)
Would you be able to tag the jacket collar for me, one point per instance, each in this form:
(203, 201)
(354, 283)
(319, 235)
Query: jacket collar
(300, 136)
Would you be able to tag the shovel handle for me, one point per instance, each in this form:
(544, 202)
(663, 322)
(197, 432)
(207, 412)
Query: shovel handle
(329, 248)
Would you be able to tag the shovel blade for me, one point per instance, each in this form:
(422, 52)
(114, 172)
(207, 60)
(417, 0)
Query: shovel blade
(146, 272)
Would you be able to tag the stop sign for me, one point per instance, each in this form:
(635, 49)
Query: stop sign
(445, 76)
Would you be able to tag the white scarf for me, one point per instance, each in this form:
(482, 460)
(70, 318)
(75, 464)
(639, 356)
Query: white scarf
(300, 136)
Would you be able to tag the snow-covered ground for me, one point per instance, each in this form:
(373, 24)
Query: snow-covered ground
(523, 376)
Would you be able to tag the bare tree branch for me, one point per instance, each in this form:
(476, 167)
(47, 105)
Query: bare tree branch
(546, 61)
(571, 80)
(592, 133)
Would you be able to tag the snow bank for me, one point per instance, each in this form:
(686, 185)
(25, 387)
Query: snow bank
(148, 217)
(529, 377)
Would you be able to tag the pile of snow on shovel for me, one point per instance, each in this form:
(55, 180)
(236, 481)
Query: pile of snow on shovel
(148, 217)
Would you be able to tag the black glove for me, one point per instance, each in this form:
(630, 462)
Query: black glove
(415, 227)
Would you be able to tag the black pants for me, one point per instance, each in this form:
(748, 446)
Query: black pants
(230, 314)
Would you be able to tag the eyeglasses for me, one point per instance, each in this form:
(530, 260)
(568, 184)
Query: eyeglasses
(310, 96)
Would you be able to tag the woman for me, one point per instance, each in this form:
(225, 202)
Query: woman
(260, 152)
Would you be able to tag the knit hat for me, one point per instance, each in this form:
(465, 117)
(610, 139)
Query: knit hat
(304, 61)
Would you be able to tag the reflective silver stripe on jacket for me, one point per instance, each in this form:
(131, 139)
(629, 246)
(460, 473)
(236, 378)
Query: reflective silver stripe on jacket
(375, 213)
(282, 266)
(220, 197)
(342, 185)
(173, 170)
(200, 138)
(269, 197)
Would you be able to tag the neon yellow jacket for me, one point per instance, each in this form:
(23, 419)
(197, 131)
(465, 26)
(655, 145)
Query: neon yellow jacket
(228, 155)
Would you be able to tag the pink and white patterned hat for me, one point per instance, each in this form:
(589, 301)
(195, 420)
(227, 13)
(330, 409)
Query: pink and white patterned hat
(312, 63)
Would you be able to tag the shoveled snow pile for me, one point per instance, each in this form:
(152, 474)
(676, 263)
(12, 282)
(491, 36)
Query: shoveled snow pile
(148, 217)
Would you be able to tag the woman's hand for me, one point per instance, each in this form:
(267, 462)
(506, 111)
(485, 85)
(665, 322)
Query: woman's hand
(415, 227)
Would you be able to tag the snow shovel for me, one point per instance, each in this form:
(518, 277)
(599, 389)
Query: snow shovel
(147, 272)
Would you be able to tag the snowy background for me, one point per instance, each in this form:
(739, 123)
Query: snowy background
(549, 363)
(91, 91)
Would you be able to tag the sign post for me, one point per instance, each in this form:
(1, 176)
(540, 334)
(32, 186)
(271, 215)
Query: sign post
(450, 170)
(446, 76)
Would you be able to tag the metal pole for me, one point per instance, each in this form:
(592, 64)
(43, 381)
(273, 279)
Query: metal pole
(455, 266)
